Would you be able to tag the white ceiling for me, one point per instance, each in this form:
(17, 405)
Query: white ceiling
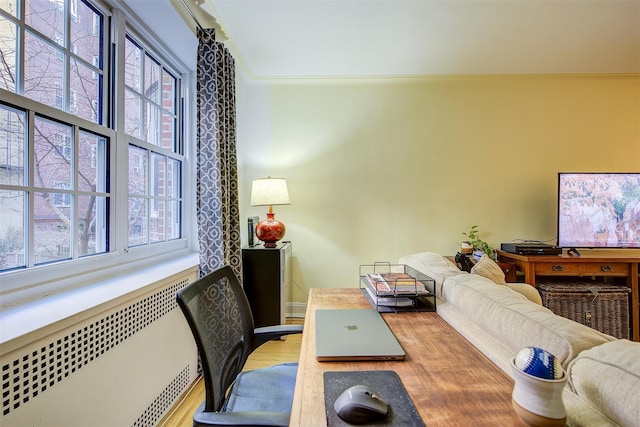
(313, 38)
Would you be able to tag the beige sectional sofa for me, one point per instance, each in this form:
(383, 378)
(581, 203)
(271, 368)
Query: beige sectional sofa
(499, 319)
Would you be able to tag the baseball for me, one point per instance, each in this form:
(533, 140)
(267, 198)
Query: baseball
(539, 363)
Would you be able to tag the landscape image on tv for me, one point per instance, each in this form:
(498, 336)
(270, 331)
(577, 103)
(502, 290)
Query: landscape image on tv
(599, 210)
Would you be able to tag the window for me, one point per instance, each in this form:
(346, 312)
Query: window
(61, 199)
(62, 145)
(73, 104)
(65, 140)
(59, 100)
(155, 167)
(63, 190)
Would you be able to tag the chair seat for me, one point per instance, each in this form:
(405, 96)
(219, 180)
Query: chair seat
(269, 389)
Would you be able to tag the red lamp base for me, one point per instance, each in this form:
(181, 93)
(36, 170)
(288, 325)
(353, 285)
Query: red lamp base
(270, 231)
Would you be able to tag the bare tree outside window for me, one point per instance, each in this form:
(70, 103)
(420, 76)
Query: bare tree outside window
(8, 48)
(58, 190)
(67, 210)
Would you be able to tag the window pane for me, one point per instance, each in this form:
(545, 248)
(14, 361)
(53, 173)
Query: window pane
(173, 178)
(92, 162)
(86, 33)
(12, 146)
(9, 6)
(85, 88)
(53, 150)
(47, 17)
(43, 71)
(157, 204)
(91, 225)
(132, 115)
(152, 87)
(12, 229)
(51, 231)
(137, 170)
(168, 131)
(168, 92)
(152, 124)
(158, 175)
(133, 65)
(8, 43)
(156, 221)
(137, 221)
(173, 220)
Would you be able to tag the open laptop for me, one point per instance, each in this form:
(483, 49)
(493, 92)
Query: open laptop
(354, 334)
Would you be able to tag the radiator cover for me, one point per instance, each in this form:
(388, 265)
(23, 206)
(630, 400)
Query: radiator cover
(125, 366)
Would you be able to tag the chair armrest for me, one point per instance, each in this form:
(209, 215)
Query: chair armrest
(241, 419)
(268, 333)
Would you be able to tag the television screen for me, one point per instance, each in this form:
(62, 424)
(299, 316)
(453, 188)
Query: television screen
(599, 210)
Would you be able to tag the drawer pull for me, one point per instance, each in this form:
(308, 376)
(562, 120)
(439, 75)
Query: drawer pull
(557, 268)
(605, 268)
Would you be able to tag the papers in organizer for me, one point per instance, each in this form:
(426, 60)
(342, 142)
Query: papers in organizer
(395, 282)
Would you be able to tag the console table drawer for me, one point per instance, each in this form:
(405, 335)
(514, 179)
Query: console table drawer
(610, 268)
(559, 268)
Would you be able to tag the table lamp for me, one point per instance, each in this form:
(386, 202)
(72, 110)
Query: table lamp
(268, 192)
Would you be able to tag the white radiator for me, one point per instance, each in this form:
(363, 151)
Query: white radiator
(126, 366)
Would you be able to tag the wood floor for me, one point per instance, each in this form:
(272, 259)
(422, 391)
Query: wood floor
(271, 353)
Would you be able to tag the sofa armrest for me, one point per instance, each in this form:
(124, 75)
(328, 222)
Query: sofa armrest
(608, 378)
(529, 292)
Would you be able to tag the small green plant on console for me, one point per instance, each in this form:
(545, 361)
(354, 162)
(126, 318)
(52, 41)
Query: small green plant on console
(479, 244)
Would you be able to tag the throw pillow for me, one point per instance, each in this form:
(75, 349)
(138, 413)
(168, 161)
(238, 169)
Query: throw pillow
(488, 268)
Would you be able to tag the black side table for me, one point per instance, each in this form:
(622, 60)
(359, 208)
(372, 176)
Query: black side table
(266, 277)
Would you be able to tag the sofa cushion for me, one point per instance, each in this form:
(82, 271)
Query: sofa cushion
(608, 377)
(486, 267)
(530, 292)
(433, 265)
(517, 322)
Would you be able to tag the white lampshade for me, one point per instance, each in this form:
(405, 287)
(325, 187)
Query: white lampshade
(269, 191)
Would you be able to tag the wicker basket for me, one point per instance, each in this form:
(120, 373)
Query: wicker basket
(597, 305)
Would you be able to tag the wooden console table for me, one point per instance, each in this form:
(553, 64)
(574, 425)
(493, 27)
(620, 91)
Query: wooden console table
(613, 263)
(449, 381)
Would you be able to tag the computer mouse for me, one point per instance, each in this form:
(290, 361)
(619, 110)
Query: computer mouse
(360, 404)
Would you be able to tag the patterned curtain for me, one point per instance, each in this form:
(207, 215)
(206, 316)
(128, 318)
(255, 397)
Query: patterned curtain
(217, 169)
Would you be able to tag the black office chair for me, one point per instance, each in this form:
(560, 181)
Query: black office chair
(220, 319)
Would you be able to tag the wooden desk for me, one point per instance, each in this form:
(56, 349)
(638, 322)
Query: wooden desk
(612, 263)
(449, 381)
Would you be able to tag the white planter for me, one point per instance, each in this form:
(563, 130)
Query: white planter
(466, 248)
(537, 401)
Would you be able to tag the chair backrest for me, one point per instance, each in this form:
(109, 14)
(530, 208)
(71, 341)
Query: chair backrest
(219, 315)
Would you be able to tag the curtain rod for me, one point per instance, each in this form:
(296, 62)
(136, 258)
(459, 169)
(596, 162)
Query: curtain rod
(192, 15)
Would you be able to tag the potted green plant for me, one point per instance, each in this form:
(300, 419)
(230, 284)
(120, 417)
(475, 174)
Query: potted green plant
(477, 243)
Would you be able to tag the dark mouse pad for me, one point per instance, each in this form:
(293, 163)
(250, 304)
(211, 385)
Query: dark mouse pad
(401, 412)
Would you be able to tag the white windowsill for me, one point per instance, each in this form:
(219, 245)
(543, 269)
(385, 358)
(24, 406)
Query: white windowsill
(27, 322)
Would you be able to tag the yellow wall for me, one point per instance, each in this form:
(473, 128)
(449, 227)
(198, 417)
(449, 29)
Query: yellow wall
(380, 168)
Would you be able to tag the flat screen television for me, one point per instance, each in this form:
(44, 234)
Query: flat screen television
(598, 210)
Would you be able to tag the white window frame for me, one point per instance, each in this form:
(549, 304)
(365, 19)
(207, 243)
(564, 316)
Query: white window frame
(21, 286)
